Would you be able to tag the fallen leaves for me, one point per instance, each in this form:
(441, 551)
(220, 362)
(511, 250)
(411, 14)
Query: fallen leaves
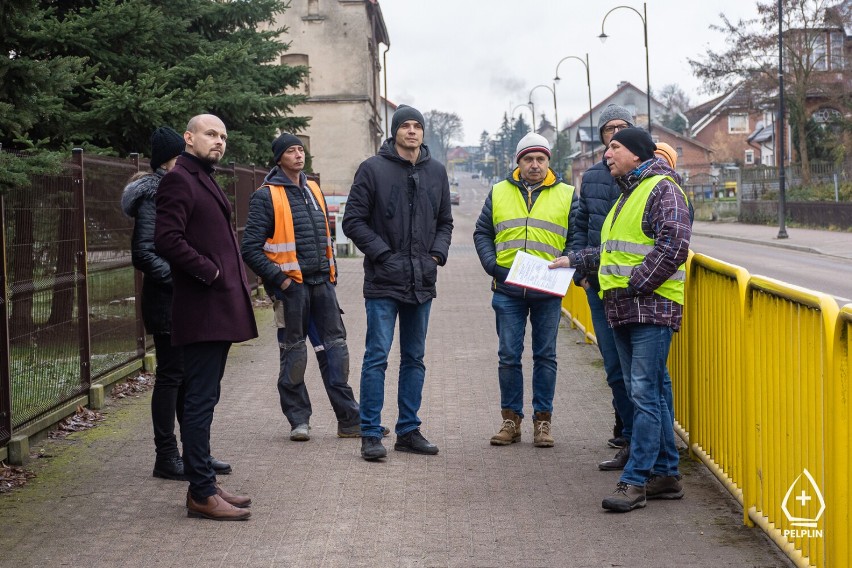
(83, 419)
(133, 386)
(12, 477)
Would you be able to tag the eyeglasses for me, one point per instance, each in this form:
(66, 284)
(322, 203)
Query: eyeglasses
(610, 128)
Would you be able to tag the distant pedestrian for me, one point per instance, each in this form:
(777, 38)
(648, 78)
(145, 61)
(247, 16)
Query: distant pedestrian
(137, 201)
(399, 215)
(212, 305)
(644, 245)
(529, 211)
(287, 242)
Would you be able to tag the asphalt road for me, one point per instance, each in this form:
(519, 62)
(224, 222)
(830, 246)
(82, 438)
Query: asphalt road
(828, 274)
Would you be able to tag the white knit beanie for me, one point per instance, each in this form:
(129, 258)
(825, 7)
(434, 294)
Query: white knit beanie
(532, 142)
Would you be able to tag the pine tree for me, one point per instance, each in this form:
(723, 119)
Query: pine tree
(152, 62)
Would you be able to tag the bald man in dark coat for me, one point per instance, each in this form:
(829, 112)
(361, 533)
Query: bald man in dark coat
(211, 308)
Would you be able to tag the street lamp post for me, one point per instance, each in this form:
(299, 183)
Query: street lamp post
(555, 115)
(644, 19)
(589, 86)
(782, 192)
(529, 106)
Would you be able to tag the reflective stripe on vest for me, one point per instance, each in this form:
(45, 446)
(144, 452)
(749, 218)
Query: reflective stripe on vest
(624, 245)
(541, 231)
(281, 248)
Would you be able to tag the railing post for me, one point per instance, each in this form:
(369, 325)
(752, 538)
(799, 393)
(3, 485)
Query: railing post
(81, 280)
(5, 354)
(141, 346)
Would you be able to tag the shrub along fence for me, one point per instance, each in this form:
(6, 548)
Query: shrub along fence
(68, 290)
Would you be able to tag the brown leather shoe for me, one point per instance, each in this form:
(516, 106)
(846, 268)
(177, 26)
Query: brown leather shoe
(240, 501)
(216, 508)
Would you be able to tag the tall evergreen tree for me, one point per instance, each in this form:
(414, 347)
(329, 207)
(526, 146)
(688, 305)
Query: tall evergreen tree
(152, 62)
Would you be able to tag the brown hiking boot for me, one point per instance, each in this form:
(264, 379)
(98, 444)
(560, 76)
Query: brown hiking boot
(541, 430)
(510, 431)
(664, 487)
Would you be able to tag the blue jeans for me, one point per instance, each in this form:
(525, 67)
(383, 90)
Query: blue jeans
(382, 314)
(612, 364)
(643, 349)
(511, 314)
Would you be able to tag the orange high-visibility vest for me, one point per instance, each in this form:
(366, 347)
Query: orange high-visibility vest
(281, 248)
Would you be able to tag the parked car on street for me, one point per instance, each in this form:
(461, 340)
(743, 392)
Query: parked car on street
(454, 196)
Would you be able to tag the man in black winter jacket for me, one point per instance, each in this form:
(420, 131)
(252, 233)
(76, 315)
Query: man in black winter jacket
(399, 215)
(287, 242)
(598, 193)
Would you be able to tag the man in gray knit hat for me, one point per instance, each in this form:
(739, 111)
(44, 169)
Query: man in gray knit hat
(598, 193)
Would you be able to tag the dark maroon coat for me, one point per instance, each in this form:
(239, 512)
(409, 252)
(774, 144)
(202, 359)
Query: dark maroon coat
(194, 234)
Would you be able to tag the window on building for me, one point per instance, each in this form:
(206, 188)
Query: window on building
(825, 116)
(836, 61)
(820, 51)
(295, 60)
(313, 7)
(737, 123)
(679, 151)
(749, 157)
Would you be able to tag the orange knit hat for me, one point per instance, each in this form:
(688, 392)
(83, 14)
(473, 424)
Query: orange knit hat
(665, 151)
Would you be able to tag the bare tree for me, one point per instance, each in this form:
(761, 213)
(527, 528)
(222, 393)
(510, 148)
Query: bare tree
(752, 57)
(677, 102)
(442, 128)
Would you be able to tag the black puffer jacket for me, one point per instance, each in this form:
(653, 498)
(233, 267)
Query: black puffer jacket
(399, 215)
(598, 193)
(137, 201)
(309, 226)
(484, 234)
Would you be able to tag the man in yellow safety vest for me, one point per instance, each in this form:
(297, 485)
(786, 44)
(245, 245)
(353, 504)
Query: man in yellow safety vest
(528, 211)
(640, 265)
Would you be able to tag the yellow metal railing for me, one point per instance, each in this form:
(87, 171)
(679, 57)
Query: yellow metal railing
(760, 372)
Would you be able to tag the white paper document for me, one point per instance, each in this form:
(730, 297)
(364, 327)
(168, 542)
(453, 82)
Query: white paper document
(532, 272)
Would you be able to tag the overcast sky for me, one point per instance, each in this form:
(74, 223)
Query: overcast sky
(480, 58)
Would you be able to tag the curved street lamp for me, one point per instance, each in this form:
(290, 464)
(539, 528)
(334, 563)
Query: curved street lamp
(529, 106)
(644, 19)
(589, 86)
(555, 116)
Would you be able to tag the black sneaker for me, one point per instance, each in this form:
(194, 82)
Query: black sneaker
(415, 443)
(625, 498)
(372, 448)
(618, 462)
(169, 468)
(618, 442)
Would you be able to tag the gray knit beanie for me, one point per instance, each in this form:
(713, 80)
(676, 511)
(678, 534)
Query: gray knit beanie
(613, 112)
(403, 113)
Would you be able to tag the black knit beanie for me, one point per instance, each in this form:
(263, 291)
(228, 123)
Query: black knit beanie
(280, 145)
(165, 145)
(403, 113)
(637, 141)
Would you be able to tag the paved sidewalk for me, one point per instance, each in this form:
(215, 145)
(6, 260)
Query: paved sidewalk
(318, 504)
(832, 243)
